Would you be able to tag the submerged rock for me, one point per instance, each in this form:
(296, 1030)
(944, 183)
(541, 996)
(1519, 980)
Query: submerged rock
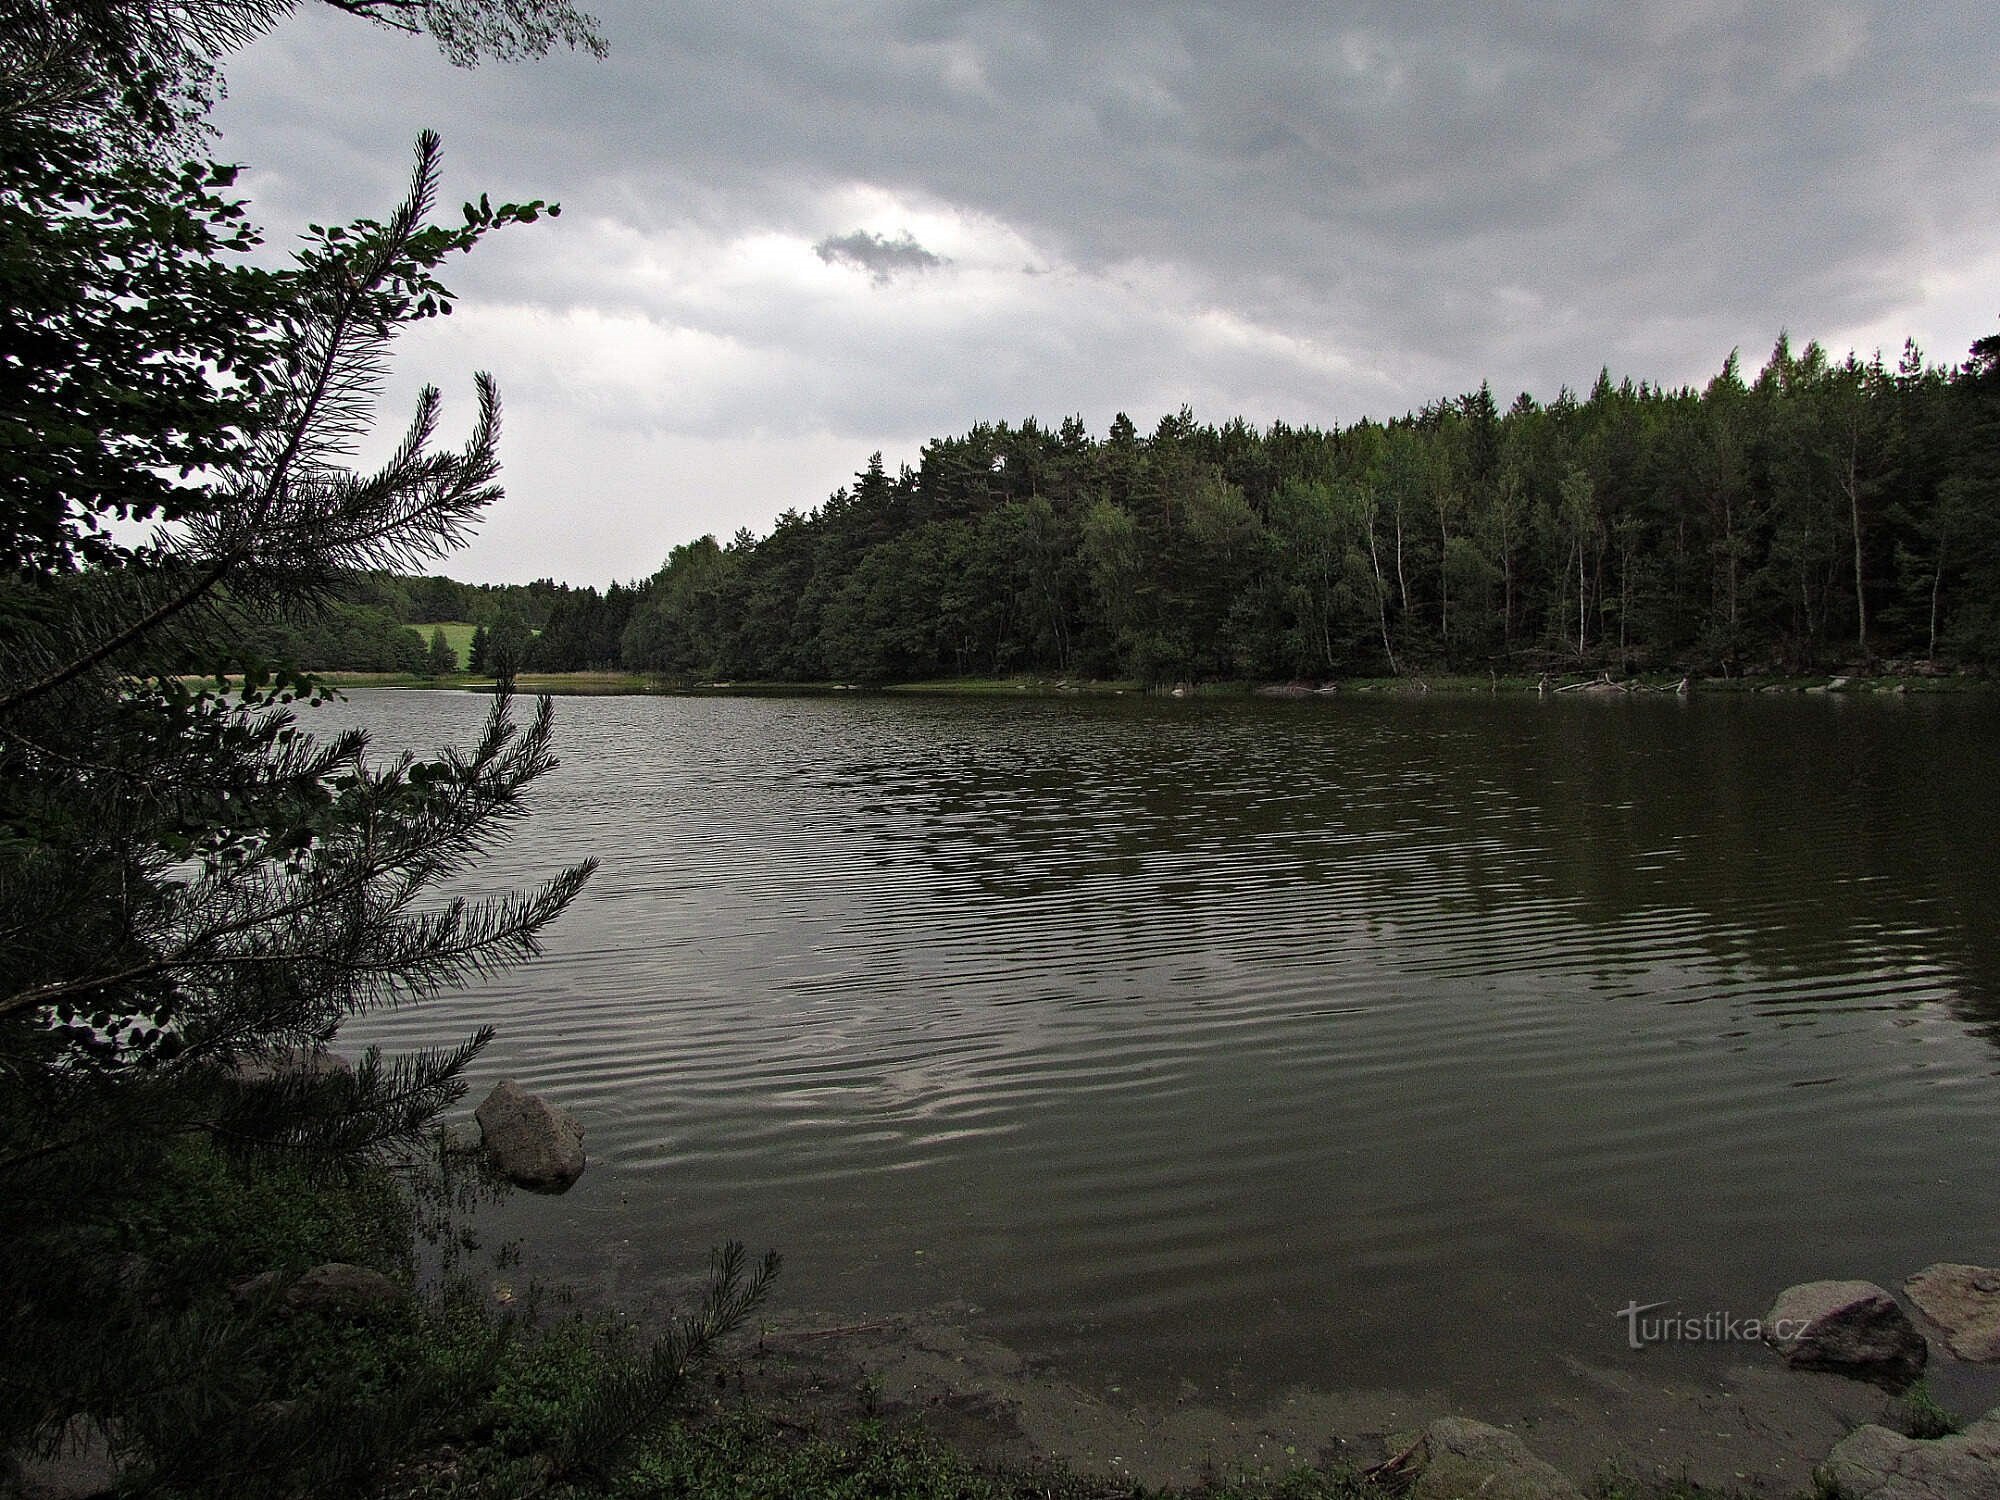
(530, 1141)
(1873, 1463)
(1851, 1327)
(1964, 1301)
(1465, 1458)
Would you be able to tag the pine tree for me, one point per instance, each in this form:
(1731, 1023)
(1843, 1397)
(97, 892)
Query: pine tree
(194, 891)
(442, 660)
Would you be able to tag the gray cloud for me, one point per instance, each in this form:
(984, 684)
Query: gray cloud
(882, 258)
(1427, 196)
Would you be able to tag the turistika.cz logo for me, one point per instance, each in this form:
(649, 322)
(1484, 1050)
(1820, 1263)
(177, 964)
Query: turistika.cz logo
(1645, 1324)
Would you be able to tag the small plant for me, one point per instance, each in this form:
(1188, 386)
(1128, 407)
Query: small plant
(1918, 1415)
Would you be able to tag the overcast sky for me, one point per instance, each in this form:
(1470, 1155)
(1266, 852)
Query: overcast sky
(798, 233)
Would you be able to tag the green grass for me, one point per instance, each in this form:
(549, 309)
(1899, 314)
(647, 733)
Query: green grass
(457, 635)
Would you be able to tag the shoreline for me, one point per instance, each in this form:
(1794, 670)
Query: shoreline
(1598, 685)
(1755, 1427)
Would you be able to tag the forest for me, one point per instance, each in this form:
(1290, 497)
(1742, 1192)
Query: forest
(1817, 513)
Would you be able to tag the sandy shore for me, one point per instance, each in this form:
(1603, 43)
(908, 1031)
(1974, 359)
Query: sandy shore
(1756, 1426)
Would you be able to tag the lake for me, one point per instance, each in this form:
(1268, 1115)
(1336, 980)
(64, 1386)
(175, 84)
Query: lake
(1341, 1043)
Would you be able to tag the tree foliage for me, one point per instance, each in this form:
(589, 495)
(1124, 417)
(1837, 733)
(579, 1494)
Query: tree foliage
(193, 887)
(142, 74)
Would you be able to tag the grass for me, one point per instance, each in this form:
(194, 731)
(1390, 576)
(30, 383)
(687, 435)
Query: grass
(1414, 684)
(744, 1454)
(457, 635)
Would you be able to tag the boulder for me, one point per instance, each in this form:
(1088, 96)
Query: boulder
(1850, 1327)
(80, 1468)
(1964, 1302)
(256, 1288)
(1463, 1458)
(530, 1142)
(341, 1290)
(1873, 1463)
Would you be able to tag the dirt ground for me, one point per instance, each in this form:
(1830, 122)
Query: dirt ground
(1757, 1427)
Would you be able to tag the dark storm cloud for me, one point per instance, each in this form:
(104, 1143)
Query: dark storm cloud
(882, 258)
(1503, 185)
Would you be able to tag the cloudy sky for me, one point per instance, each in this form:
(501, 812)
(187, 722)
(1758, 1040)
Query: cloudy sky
(797, 233)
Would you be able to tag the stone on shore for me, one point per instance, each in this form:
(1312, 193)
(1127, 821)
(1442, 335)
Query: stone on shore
(342, 1290)
(530, 1141)
(1873, 1463)
(1464, 1458)
(1850, 1327)
(335, 1289)
(1964, 1302)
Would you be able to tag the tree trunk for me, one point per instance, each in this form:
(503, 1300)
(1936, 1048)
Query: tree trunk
(1382, 600)
(1937, 587)
(1851, 482)
(1402, 579)
(1582, 596)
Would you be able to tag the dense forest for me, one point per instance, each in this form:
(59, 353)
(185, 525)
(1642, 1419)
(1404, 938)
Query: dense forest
(1817, 514)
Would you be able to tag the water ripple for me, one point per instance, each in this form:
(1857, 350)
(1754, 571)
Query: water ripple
(1331, 1031)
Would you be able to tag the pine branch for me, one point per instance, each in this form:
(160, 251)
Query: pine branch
(630, 1399)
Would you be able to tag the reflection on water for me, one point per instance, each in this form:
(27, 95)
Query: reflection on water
(1382, 1042)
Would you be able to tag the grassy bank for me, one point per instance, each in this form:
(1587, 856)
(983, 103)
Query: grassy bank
(1411, 685)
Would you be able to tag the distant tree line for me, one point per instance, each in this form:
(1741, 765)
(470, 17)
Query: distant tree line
(430, 601)
(1818, 513)
(377, 623)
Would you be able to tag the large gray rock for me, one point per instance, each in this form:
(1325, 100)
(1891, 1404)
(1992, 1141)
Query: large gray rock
(530, 1141)
(1964, 1301)
(341, 1290)
(1873, 1463)
(1852, 1327)
(1464, 1459)
(81, 1467)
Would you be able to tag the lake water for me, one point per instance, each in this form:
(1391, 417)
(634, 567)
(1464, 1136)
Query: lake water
(1345, 1043)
